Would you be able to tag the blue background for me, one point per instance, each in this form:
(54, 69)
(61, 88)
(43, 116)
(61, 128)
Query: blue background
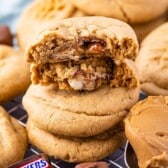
(10, 11)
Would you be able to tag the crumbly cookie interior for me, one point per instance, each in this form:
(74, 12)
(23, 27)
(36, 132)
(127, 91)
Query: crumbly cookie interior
(85, 64)
(48, 9)
(54, 49)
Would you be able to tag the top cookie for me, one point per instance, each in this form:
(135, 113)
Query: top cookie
(152, 62)
(127, 10)
(91, 48)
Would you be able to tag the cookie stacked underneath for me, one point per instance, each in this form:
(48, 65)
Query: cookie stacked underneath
(149, 138)
(84, 83)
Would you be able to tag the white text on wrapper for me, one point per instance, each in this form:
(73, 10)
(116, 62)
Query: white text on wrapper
(40, 163)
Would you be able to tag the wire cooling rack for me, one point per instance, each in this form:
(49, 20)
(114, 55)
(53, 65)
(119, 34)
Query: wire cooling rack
(15, 109)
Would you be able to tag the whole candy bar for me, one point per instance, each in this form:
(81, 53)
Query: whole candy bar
(93, 165)
(5, 35)
(35, 161)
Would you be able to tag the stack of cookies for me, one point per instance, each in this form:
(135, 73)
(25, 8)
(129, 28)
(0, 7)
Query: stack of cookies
(84, 83)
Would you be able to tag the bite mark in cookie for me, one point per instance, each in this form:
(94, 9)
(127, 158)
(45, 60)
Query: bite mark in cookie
(73, 58)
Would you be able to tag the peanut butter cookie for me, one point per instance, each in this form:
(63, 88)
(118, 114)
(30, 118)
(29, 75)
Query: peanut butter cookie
(40, 14)
(14, 73)
(76, 149)
(152, 62)
(13, 141)
(78, 114)
(143, 29)
(146, 129)
(82, 54)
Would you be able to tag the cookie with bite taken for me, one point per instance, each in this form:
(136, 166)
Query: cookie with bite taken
(81, 54)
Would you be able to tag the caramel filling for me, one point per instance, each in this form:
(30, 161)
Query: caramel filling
(92, 45)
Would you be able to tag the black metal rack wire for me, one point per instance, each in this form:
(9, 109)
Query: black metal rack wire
(15, 109)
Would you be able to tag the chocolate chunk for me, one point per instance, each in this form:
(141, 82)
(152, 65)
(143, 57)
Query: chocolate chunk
(5, 35)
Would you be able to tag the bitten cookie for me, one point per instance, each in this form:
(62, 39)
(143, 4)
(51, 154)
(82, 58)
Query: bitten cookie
(82, 54)
(78, 114)
(75, 149)
(13, 141)
(146, 129)
(152, 62)
(40, 14)
(131, 11)
(14, 73)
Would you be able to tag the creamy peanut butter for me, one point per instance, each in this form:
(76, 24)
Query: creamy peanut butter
(147, 130)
